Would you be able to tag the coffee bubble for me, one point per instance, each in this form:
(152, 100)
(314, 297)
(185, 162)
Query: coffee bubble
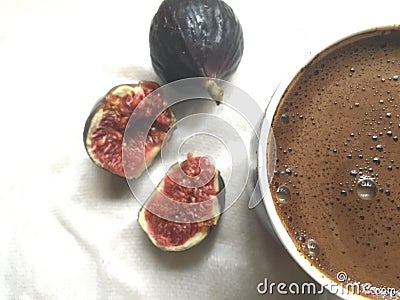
(312, 248)
(285, 118)
(366, 189)
(283, 194)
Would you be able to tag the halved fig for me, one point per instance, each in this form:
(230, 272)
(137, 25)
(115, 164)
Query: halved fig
(184, 207)
(122, 112)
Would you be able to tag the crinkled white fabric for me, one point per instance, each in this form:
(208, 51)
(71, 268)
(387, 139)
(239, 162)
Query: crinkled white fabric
(68, 230)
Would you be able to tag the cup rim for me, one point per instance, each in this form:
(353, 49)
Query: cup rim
(277, 225)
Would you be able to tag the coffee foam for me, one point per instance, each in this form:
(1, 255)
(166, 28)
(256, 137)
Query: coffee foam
(338, 156)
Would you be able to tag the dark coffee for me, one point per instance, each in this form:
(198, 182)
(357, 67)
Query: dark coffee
(337, 177)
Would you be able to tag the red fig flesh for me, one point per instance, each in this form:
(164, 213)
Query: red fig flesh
(186, 204)
(109, 121)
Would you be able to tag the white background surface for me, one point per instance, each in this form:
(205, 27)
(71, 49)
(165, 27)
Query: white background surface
(68, 230)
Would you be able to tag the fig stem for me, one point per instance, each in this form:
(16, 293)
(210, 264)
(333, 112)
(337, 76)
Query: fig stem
(215, 91)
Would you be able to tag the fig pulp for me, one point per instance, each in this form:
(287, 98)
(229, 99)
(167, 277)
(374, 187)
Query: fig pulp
(186, 204)
(195, 38)
(109, 120)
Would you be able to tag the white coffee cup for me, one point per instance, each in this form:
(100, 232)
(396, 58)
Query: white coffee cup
(340, 287)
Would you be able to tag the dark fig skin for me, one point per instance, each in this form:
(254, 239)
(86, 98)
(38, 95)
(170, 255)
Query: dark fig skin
(195, 38)
(221, 194)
